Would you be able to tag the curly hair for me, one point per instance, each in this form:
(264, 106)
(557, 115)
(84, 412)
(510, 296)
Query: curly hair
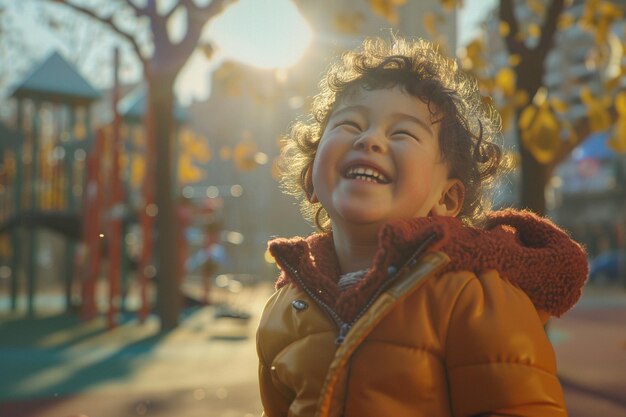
(468, 135)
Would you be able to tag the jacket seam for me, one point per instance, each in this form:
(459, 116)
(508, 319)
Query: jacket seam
(511, 363)
(452, 311)
(433, 352)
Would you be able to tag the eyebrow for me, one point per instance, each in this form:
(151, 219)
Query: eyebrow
(364, 109)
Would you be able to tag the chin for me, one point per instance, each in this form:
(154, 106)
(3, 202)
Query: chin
(364, 218)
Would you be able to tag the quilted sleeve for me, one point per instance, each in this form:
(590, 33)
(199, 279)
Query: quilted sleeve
(275, 400)
(498, 357)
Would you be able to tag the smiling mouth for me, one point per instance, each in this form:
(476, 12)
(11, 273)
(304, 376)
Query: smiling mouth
(365, 173)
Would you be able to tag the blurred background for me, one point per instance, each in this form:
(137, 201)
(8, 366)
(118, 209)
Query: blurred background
(138, 186)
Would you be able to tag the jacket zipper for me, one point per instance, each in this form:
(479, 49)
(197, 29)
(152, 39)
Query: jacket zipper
(344, 327)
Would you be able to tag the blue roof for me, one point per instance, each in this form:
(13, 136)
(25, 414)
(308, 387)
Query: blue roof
(133, 106)
(56, 80)
(594, 146)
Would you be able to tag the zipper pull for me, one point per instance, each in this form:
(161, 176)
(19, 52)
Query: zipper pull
(343, 332)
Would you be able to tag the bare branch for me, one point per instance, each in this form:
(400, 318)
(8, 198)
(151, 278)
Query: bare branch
(549, 26)
(139, 11)
(197, 17)
(507, 15)
(108, 21)
(205, 13)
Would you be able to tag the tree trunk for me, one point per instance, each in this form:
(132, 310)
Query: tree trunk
(168, 291)
(534, 181)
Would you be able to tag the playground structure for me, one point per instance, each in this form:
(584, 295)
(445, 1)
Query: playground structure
(80, 187)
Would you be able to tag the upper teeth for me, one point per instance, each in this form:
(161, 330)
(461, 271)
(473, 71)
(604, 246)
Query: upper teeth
(367, 174)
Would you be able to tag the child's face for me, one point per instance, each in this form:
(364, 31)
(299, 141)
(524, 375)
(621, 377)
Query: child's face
(379, 160)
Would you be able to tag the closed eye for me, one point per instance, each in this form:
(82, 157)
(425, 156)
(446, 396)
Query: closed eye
(406, 133)
(348, 123)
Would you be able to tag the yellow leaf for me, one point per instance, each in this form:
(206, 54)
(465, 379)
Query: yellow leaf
(526, 117)
(620, 104)
(597, 111)
(534, 30)
(566, 20)
(243, 155)
(537, 7)
(387, 9)
(429, 21)
(471, 55)
(504, 29)
(617, 142)
(521, 98)
(348, 22)
(450, 5)
(187, 171)
(559, 105)
(515, 59)
(138, 169)
(542, 137)
(506, 81)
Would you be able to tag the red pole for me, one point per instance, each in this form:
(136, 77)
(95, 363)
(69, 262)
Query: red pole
(146, 216)
(115, 205)
(91, 232)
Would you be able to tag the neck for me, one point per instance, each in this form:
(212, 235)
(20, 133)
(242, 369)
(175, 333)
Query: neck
(355, 251)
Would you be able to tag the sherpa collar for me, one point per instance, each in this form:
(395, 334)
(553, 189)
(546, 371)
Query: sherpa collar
(526, 249)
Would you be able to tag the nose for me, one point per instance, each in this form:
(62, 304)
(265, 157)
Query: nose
(371, 141)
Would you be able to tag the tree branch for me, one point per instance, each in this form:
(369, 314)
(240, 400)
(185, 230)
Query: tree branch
(205, 13)
(507, 15)
(548, 29)
(197, 17)
(139, 11)
(108, 21)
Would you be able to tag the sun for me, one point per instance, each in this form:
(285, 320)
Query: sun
(261, 33)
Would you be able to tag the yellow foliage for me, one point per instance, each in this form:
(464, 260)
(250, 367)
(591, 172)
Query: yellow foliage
(348, 22)
(598, 16)
(506, 81)
(243, 155)
(514, 60)
(521, 99)
(387, 9)
(137, 171)
(504, 29)
(472, 59)
(597, 110)
(559, 105)
(195, 146)
(187, 171)
(534, 30)
(565, 21)
(537, 7)
(429, 21)
(450, 5)
(540, 131)
(617, 142)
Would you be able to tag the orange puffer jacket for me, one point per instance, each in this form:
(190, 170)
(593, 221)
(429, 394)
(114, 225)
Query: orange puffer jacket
(448, 322)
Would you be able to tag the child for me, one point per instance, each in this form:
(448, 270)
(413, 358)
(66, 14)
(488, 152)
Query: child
(414, 300)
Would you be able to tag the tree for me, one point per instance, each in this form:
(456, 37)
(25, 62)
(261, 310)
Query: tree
(542, 121)
(545, 128)
(147, 29)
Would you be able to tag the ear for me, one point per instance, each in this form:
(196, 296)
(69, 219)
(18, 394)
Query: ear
(308, 185)
(451, 201)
